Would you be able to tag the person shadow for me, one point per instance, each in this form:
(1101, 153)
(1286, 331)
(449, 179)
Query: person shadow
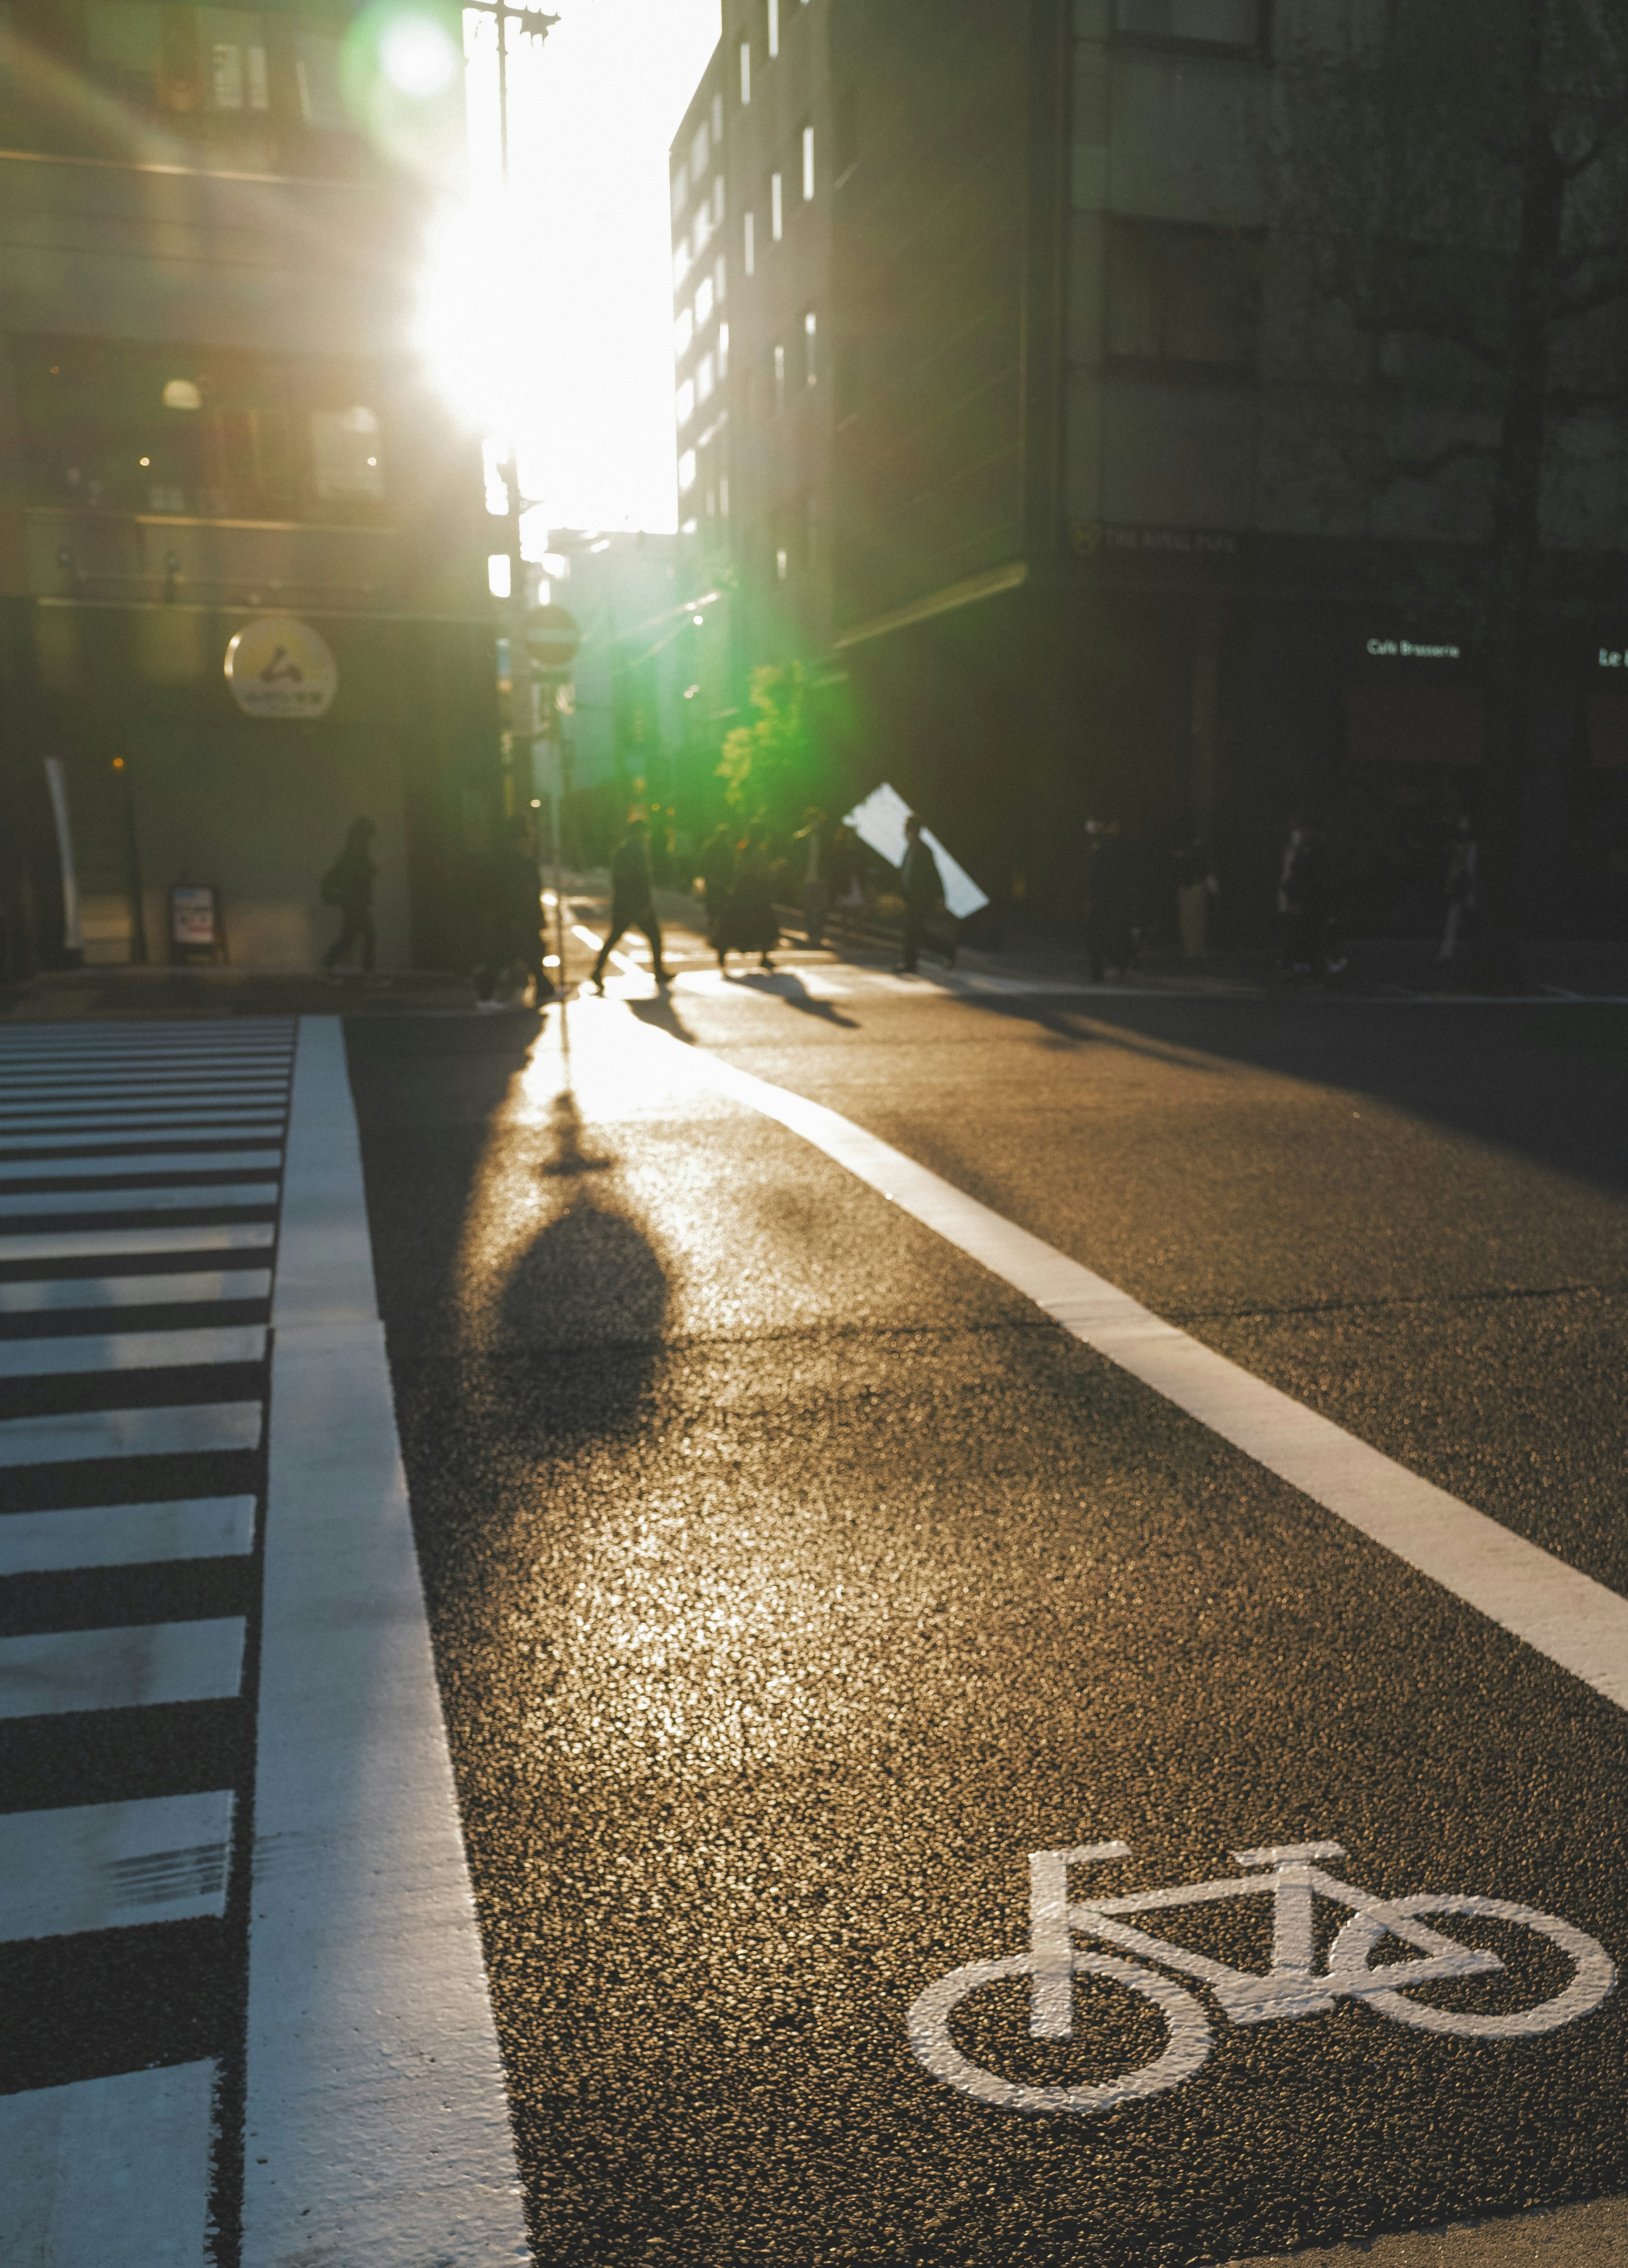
(785, 984)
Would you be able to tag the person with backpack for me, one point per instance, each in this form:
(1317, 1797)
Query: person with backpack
(631, 904)
(348, 885)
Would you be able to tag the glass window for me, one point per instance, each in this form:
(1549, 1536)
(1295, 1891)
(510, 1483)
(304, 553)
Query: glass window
(498, 567)
(773, 6)
(723, 350)
(777, 214)
(686, 472)
(182, 64)
(1215, 23)
(717, 199)
(703, 303)
(686, 401)
(745, 71)
(724, 496)
(347, 456)
(811, 348)
(779, 379)
(808, 163)
(782, 562)
(721, 277)
(717, 120)
(701, 149)
(680, 264)
(1181, 296)
(702, 235)
(680, 191)
(316, 70)
(706, 380)
(749, 245)
(683, 332)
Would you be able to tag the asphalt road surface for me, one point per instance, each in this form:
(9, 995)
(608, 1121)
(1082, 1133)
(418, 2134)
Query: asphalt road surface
(836, 1643)
(794, 1580)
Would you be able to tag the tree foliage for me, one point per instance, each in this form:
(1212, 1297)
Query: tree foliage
(771, 768)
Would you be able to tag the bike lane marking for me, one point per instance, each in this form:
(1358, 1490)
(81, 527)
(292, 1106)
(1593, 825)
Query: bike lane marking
(1562, 1613)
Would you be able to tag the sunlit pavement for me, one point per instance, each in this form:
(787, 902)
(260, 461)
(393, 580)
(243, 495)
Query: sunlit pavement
(793, 1579)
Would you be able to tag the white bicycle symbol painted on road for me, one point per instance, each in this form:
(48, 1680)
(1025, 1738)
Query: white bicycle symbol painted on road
(1294, 1986)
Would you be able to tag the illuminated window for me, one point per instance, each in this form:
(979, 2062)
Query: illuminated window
(497, 574)
(723, 497)
(811, 348)
(701, 149)
(717, 119)
(782, 562)
(703, 303)
(779, 379)
(717, 200)
(683, 332)
(706, 379)
(745, 71)
(808, 165)
(751, 246)
(686, 401)
(702, 237)
(777, 213)
(721, 277)
(723, 350)
(189, 65)
(686, 472)
(681, 266)
(181, 394)
(774, 26)
(680, 191)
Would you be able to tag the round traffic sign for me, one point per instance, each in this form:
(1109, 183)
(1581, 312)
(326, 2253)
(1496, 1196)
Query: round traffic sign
(552, 636)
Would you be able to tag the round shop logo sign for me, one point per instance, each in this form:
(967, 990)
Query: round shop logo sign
(278, 668)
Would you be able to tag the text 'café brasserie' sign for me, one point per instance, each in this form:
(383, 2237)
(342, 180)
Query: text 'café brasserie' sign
(276, 667)
(1390, 649)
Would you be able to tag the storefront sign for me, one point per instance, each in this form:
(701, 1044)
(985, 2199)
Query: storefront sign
(1411, 650)
(280, 667)
(1089, 537)
(1611, 658)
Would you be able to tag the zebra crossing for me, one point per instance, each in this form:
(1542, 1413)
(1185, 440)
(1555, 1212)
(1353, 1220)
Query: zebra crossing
(140, 1178)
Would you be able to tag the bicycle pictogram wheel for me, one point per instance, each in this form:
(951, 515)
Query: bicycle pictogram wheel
(1593, 1977)
(1188, 2046)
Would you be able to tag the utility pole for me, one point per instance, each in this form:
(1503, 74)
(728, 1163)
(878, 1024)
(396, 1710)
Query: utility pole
(528, 24)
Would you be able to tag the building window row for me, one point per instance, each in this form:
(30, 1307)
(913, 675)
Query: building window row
(772, 12)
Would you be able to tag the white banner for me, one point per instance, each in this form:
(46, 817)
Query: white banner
(879, 823)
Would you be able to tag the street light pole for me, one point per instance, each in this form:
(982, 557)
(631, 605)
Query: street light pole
(530, 23)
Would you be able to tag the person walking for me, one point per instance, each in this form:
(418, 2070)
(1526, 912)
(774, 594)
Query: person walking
(1195, 886)
(632, 904)
(923, 889)
(716, 864)
(348, 885)
(815, 881)
(518, 909)
(1110, 926)
(1306, 902)
(749, 924)
(1463, 860)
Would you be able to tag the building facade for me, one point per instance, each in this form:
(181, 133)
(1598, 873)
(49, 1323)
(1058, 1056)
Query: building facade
(215, 421)
(1031, 497)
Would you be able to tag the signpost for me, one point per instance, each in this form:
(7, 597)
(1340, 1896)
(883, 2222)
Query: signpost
(552, 640)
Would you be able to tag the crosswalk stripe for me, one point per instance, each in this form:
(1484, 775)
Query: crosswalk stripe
(156, 1162)
(127, 1243)
(15, 1205)
(126, 1535)
(75, 1354)
(178, 1431)
(114, 1865)
(108, 2170)
(69, 1141)
(95, 1123)
(52, 1673)
(68, 1294)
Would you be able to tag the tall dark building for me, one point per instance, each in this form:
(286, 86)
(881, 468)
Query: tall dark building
(213, 425)
(997, 441)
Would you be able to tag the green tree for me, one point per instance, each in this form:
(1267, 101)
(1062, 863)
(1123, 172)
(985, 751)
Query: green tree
(772, 768)
(1447, 182)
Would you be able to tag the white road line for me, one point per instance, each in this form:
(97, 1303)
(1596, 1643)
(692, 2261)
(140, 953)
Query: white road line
(78, 1353)
(62, 1168)
(50, 1672)
(375, 2092)
(19, 1205)
(114, 1865)
(67, 1294)
(126, 1535)
(126, 1244)
(191, 1430)
(1561, 1613)
(108, 2171)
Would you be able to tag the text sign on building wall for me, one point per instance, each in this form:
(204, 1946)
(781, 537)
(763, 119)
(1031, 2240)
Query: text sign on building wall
(276, 667)
(1384, 649)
